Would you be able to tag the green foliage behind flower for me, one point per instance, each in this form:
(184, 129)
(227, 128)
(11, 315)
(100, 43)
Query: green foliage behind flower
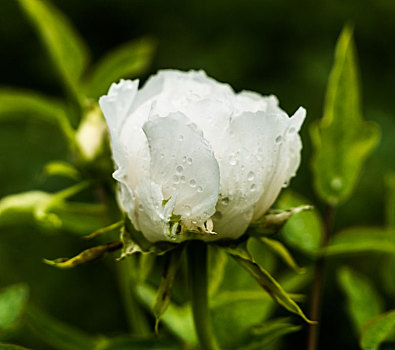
(69, 193)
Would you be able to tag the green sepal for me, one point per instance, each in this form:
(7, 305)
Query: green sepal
(134, 242)
(104, 230)
(302, 231)
(163, 295)
(84, 257)
(274, 220)
(265, 280)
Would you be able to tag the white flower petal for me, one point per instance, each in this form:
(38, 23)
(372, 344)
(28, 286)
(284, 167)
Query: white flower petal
(188, 145)
(182, 162)
(249, 101)
(285, 163)
(246, 161)
(117, 104)
(153, 217)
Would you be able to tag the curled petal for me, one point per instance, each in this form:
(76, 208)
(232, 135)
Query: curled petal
(182, 163)
(285, 163)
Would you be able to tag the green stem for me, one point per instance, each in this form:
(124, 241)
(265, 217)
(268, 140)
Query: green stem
(137, 320)
(197, 273)
(318, 282)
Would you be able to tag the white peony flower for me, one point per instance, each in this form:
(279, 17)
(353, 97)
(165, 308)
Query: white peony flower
(194, 156)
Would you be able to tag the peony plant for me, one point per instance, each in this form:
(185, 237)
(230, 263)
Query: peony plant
(195, 159)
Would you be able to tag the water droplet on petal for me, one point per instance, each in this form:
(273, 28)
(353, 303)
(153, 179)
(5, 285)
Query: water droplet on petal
(179, 169)
(176, 179)
(192, 183)
(232, 159)
(187, 210)
(200, 189)
(291, 130)
(184, 159)
(225, 200)
(180, 138)
(189, 161)
(141, 208)
(162, 156)
(182, 179)
(278, 139)
(253, 188)
(250, 176)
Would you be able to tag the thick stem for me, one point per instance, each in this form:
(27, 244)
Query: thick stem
(197, 273)
(137, 320)
(319, 274)
(127, 279)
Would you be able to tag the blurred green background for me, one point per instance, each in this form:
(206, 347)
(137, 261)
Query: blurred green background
(279, 47)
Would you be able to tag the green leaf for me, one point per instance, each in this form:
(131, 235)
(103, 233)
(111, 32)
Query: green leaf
(4, 346)
(266, 281)
(127, 61)
(239, 301)
(268, 332)
(20, 105)
(13, 301)
(134, 242)
(279, 249)
(135, 343)
(68, 51)
(61, 168)
(359, 240)
(363, 301)
(217, 260)
(162, 299)
(390, 180)
(84, 257)
(377, 330)
(62, 336)
(177, 319)
(302, 231)
(57, 334)
(342, 140)
(232, 297)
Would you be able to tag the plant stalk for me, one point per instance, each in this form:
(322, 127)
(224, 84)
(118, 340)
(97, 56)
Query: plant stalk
(137, 320)
(197, 274)
(318, 282)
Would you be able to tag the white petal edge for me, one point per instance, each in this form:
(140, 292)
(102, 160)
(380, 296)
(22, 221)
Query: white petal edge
(288, 160)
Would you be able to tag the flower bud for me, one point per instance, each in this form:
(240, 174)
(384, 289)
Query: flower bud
(192, 155)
